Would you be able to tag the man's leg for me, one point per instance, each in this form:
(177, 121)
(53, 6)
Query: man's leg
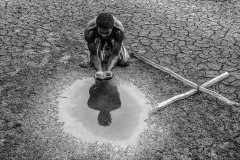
(87, 63)
(124, 57)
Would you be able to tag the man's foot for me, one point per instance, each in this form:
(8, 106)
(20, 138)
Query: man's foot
(99, 75)
(85, 64)
(123, 63)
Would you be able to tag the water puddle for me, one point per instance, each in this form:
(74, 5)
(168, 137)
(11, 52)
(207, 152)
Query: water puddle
(103, 111)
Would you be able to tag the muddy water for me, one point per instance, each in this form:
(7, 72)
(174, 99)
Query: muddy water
(104, 111)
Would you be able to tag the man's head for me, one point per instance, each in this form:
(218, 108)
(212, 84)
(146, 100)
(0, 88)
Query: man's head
(104, 118)
(105, 24)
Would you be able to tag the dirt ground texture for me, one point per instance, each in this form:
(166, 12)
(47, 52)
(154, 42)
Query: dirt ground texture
(41, 46)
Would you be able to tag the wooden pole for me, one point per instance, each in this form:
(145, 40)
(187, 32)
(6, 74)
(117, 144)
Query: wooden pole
(192, 84)
(220, 97)
(192, 91)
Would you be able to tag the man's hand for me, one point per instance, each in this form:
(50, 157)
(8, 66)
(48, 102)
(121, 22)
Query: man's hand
(99, 75)
(108, 75)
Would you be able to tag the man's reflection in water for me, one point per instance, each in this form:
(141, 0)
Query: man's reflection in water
(104, 97)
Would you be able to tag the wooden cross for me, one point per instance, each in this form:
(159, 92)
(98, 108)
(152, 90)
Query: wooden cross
(196, 87)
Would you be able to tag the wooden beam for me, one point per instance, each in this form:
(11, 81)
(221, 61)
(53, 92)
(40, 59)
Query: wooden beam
(177, 76)
(192, 91)
(190, 83)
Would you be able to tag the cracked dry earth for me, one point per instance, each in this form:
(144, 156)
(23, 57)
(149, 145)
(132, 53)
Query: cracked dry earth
(41, 46)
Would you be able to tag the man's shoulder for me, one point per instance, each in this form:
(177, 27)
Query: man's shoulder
(91, 24)
(118, 24)
(89, 32)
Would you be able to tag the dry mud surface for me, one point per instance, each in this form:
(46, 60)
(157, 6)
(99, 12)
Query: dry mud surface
(41, 46)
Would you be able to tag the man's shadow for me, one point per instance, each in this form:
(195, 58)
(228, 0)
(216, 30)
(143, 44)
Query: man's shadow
(104, 96)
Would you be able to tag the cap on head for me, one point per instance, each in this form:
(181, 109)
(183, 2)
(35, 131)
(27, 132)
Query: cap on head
(105, 21)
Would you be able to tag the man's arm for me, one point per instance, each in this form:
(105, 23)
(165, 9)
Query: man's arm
(94, 58)
(115, 50)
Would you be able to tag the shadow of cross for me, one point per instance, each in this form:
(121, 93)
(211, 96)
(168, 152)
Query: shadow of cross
(190, 83)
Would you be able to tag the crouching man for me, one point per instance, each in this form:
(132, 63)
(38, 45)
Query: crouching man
(104, 36)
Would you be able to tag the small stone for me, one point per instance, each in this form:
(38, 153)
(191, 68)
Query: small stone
(141, 51)
(46, 44)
